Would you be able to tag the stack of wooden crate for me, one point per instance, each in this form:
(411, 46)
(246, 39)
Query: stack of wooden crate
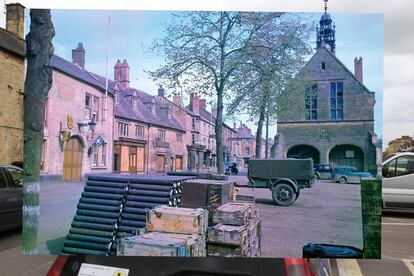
(237, 231)
(206, 193)
(170, 231)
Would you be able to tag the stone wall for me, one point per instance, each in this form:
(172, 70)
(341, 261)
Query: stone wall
(67, 97)
(12, 73)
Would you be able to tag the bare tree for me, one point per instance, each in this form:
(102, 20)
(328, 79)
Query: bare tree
(276, 54)
(38, 81)
(203, 52)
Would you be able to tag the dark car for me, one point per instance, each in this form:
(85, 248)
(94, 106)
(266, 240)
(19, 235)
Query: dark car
(231, 168)
(323, 171)
(10, 197)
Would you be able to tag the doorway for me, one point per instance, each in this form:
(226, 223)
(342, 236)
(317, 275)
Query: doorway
(72, 160)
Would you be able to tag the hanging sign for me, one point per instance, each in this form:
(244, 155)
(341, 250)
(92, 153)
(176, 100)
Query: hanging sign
(99, 141)
(69, 122)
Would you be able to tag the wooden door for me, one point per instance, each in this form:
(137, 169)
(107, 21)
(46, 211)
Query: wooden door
(132, 159)
(140, 159)
(178, 163)
(72, 160)
(160, 163)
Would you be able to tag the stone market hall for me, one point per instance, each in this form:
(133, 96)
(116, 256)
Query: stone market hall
(333, 120)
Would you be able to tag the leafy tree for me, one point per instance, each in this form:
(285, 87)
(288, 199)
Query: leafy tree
(38, 81)
(203, 53)
(277, 53)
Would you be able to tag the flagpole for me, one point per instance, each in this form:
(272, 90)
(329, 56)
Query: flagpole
(106, 68)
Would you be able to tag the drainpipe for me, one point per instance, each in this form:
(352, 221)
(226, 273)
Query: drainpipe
(148, 146)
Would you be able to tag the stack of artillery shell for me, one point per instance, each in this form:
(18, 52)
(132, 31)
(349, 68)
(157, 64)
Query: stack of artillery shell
(237, 232)
(143, 193)
(170, 231)
(114, 205)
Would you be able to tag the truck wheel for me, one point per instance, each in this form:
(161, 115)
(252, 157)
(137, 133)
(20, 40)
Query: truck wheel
(283, 194)
(342, 180)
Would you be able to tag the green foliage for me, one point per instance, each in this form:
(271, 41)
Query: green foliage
(205, 53)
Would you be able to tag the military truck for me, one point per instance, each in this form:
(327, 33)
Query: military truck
(284, 177)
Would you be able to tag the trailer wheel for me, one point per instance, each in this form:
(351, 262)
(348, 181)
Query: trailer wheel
(283, 194)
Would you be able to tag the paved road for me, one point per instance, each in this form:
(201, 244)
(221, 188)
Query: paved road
(13, 262)
(326, 213)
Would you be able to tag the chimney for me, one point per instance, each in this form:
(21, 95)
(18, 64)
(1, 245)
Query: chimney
(78, 56)
(203, 103)
(161, 91)
(195, 103)
(177, 100)
(234, 125)
(121, 73)
(15, 19)
(358, 69)
(214, 111)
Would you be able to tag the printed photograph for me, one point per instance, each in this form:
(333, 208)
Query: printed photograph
(178, 133)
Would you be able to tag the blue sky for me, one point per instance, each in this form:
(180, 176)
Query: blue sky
(357, 35)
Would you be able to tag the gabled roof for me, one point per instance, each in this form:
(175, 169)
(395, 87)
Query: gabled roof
(75, 71)
(12, 43)
(143, 113)
(340, 63)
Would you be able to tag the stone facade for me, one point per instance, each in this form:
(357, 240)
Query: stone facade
(329, 115)
(246, 142)
(12, 71)
(76, 100)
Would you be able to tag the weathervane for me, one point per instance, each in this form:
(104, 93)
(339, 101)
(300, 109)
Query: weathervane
(326, 5)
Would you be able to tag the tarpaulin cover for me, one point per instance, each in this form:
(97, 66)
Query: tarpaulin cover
(298, 169)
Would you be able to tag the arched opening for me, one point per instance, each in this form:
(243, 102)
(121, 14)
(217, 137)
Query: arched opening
(304, 152)
(347, 155)
(72, 160)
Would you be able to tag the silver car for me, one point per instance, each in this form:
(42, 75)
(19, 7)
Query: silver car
(398, 181)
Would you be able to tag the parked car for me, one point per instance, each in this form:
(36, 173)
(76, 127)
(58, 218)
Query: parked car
(284, 177)
(231, 168)
(11, 196)
(347, 174)
(398, 181)
(323, 171)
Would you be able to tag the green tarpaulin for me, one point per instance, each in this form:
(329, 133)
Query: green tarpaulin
(298, 169)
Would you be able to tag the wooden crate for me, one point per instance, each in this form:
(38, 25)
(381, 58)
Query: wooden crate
(205, 193)
(196, 244)
(233, 213)
(223, 250)
(141, 246)
(177, 220)
(228, 234)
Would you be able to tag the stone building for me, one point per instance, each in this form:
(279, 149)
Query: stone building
(78, 122)
(333, 121)
(147, 137)
(247, 144)
(202, 146)
(12, 72)
(403, 144)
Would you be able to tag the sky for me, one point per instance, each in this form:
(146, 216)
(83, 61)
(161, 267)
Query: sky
(357, 35)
